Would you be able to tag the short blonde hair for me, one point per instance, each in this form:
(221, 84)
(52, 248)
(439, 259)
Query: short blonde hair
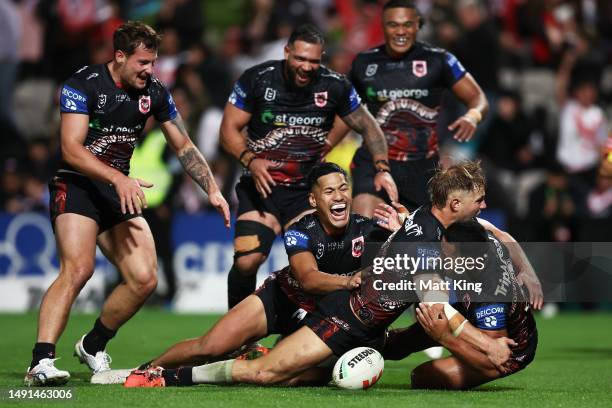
(466, 176)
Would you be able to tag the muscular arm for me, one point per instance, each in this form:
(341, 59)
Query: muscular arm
(468, 91)
(195, 164)
(362, 122)
(188, 154)
(305, 270)
(73, 131)
(524, 270)
(233, 122)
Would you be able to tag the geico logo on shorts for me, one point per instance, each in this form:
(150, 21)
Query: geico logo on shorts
(296, 239)
(491, 316)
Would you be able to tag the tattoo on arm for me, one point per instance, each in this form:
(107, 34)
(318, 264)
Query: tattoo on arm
(195, 165)
(361, 121)
(178, 122)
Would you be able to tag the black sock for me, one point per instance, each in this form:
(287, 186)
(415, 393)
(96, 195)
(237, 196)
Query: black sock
(40, 351)
(239, 286)
(179, 377)
(97, 338)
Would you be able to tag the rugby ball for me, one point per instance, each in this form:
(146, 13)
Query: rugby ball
(358, 369)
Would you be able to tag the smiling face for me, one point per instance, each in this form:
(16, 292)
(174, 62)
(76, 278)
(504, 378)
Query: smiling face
(134, 70)
(331, 196)
(303, 61)
(400, 26)
(467, 204)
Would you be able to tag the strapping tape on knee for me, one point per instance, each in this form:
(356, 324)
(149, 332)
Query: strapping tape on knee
(252, 237)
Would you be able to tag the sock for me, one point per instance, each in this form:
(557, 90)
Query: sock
(97, 338)
(40, 351)
(239, 286)
(214, 373)
(146, 365)
(179, 377)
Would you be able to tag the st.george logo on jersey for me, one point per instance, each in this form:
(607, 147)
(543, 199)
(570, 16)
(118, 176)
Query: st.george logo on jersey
(320, 99)
(419, 68)
(144, 104)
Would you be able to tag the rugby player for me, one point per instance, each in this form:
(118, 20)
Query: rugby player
(104, 109)
(286, 108)
(330, 239)
(500, 309)
(346, 319)
(402, 82)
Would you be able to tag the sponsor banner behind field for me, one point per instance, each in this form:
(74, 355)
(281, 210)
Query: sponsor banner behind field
(203, 255)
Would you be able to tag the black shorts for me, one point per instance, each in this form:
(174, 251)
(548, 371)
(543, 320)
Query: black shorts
(77, 194)
(521, 358)
(285, 203)
(282, 316)
(411, 178)
(336, 325)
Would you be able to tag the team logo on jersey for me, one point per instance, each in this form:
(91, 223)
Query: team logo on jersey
(371, 69)
(320, 250)
(419, 68)
(144, 104)
(270, 94)
(101, 101)
(357, 247)
(320, 99)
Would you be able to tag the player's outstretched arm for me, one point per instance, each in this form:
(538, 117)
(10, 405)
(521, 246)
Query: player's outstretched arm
(362, 121)
(195, 164)
(304, 269)
(525, 273)
(468, 91)
(73, 131)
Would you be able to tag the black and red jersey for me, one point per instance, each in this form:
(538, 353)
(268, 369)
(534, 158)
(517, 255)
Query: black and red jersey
(289, 124)
(404, 94)
(340, 255)
(502, 304)
(116, 116)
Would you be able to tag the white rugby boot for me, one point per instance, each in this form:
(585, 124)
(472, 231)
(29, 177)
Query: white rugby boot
(98, 363)
(45, 374)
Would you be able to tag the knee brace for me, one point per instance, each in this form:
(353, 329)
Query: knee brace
(252, 237)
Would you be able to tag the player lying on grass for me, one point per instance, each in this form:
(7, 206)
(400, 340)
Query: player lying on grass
(341, 321)
(331, 239)
(500, 309)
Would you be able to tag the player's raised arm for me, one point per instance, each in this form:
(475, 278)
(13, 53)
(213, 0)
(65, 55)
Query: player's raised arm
(194, 163)
(362, 122)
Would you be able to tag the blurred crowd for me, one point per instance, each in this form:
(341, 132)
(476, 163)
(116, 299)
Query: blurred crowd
(543, 64)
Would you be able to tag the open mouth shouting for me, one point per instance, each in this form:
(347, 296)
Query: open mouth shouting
(339, 212)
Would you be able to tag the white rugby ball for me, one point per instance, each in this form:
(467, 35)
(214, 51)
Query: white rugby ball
(358, 369)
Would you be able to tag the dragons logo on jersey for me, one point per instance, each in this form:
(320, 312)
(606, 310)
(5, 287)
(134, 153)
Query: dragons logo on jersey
(357, 247)
(419, 68)
(144, 104)
(101, 101)
(320, 99)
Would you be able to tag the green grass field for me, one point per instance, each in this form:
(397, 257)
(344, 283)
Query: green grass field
(573, 367)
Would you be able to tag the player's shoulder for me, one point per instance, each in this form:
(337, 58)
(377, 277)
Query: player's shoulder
(307, 224)
(264, 69)
(156, 83)
(430, 49)
(87, 74)
(328, 74)
(421, 225)
(370, 54)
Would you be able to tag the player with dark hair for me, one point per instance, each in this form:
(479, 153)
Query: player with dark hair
(500, 309)
(346, 319)
(325, 248)
(286, 109)
(402, 82)
(104, 109)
